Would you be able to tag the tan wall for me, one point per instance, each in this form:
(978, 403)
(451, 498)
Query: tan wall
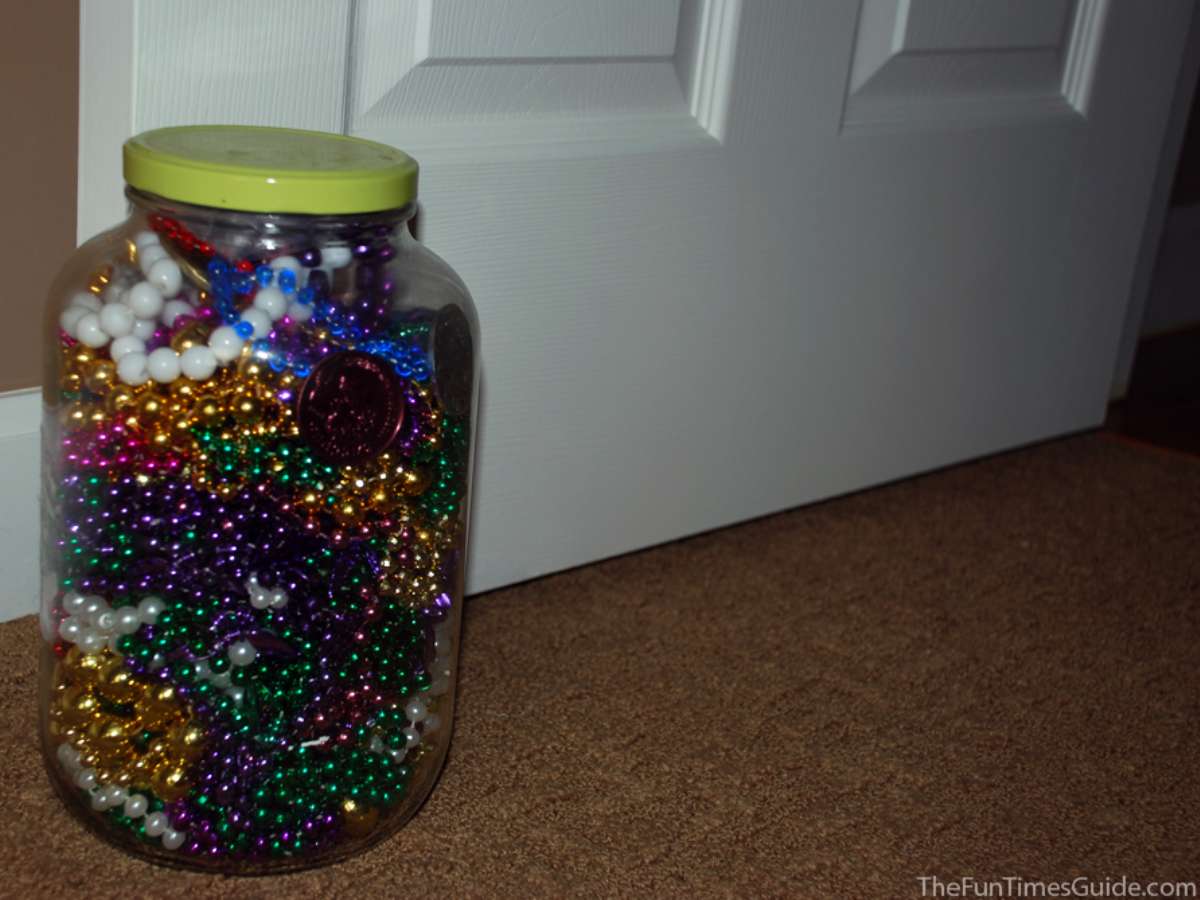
(39, 106)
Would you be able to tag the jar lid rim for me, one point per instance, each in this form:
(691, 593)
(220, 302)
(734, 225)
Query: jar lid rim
(270, 170)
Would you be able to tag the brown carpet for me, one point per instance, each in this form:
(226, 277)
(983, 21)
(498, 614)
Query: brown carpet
(988, 671)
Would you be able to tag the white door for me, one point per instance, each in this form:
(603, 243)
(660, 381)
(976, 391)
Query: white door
(730, 256)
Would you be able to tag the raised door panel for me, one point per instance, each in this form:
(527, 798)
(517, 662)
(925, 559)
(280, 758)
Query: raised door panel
(540, 77)
(929, 63)
(959, 25)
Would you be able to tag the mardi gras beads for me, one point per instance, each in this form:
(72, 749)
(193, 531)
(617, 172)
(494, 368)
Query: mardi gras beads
(254, 521)
(235, 433)
(123, 731)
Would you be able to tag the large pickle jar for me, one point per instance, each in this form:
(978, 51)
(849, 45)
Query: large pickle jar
(259, 408)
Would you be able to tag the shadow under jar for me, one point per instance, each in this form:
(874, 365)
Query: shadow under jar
(259, 408)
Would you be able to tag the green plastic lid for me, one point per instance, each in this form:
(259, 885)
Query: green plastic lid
(275, 170)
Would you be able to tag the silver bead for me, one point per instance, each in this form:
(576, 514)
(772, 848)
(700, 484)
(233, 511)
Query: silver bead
(172, 839)
(156, 824)
(93, 605)
(69, 757)
(71, 629)
(91, 641)
(415, 709)
(242, 653)
(150, 608)
(136, 806)
(74, 602)
(129, 620)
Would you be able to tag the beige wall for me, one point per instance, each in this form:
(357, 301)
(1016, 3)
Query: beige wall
(39, 106)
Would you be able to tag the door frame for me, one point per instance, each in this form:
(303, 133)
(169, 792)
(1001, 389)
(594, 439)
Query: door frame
(1156, 216)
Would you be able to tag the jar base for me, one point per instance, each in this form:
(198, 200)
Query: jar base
(73, 798)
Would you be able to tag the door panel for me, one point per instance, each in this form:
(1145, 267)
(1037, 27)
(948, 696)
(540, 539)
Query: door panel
(919, 63)
(947, 26)
(729, 256)
(548, 78)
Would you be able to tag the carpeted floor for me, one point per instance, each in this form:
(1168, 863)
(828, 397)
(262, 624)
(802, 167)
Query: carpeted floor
(988, 671)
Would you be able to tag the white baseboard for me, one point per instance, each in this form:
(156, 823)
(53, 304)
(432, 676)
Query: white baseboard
(20, 421)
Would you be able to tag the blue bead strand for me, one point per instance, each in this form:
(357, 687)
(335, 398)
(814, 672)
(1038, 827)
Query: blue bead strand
(407, 357)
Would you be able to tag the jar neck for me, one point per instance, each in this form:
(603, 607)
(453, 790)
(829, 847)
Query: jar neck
(239, 235)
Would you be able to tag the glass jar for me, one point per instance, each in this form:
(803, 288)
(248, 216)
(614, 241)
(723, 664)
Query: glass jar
(259, 408)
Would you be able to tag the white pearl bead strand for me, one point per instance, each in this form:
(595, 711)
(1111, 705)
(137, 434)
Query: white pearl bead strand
(109, 796)
(263, 597)
(91, 625)
(128, 317)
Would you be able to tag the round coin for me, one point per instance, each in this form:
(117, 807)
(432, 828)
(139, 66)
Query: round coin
(350, 408)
